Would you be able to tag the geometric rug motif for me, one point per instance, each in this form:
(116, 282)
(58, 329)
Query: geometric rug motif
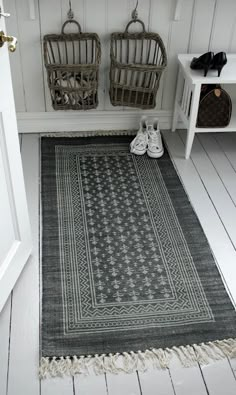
(126, 265)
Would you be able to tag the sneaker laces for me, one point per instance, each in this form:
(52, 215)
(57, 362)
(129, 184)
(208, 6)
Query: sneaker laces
(140, 140)
(155, 138)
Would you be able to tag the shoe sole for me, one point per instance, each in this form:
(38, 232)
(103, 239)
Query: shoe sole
(137, 152)
(155, 156)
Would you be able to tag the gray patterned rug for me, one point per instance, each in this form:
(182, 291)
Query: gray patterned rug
(128, 277)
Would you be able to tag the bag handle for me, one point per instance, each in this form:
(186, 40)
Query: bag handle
(70, 21)
(134, 21)
(217, 92)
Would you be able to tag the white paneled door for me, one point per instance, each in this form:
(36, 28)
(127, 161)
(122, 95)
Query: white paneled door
(15, 235)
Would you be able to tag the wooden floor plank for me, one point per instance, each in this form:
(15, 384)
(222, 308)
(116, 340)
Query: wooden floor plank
(186, 380)
(25, 321)
(5, 320)
(57, 386)
(221, 163)
(24, 344)
(25, 305)
(85, 385)
(233, 365)
(206, 212)
(155, 382)
(123, 384)
(219, 378)
(227, 143)
(214, 231)
(219, 196)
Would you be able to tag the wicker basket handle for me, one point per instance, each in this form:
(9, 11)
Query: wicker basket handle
(134, 21)
(70, 21)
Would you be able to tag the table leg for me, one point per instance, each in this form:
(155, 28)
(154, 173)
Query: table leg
(177, 97)
(192, 119)
(189, 143)
(175, 119)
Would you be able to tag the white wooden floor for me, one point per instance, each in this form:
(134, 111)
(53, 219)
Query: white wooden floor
(209, 178)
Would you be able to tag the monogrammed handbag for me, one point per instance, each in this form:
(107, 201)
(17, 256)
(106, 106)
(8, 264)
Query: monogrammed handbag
(215, 107)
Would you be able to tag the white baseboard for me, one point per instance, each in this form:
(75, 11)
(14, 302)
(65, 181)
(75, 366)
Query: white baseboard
(59, 121)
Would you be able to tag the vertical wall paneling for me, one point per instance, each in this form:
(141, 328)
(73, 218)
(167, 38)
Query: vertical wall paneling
(51, 22)
(31, 5)
(178, 9)
(5, 322)
(223, 36)
(179, 41)
(232, 44)
(16, 57)
(201, 26)
(78, 7)
(223, 25)
(143, 9)
(98, 24)
(117, 18)
(31, 57)
(161, 14)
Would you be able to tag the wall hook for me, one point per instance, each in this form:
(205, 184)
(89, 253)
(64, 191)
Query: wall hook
(134, 14)
(70, 13)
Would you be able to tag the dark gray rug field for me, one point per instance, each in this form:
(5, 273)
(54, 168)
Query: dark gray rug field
(125, 263)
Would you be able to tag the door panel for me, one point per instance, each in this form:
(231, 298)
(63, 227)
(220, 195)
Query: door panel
(8, 236)
(15, 234)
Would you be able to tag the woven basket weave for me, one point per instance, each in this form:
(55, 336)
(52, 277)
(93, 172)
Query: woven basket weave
(72, 62)
(137, 63)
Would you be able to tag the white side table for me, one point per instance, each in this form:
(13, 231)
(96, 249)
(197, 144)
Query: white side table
(188, 94)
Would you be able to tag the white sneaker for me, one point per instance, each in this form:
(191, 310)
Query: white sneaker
(138, 145)
(155, 146)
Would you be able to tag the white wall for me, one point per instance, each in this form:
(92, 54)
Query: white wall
(203, 25)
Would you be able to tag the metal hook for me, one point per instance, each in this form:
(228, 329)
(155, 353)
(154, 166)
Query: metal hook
(70, 13)
(135, 12)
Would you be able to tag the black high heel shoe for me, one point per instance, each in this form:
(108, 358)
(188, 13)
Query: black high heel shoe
(204, 62)
(219, 61)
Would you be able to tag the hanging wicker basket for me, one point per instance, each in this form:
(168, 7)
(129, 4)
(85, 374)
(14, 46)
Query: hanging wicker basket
(137, 63)
(72, 62)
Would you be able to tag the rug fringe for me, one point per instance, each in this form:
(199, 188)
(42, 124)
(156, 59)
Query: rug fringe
(93, 133)
(203, 353)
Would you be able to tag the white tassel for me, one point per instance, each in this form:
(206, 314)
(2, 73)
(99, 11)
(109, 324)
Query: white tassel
(44, 367)
(186, 355)
(228, 347)
(212, 351)
(203, 353)
(201, 356)
(113, 363)
(163, 356)
(98, 364)
(129, 362)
